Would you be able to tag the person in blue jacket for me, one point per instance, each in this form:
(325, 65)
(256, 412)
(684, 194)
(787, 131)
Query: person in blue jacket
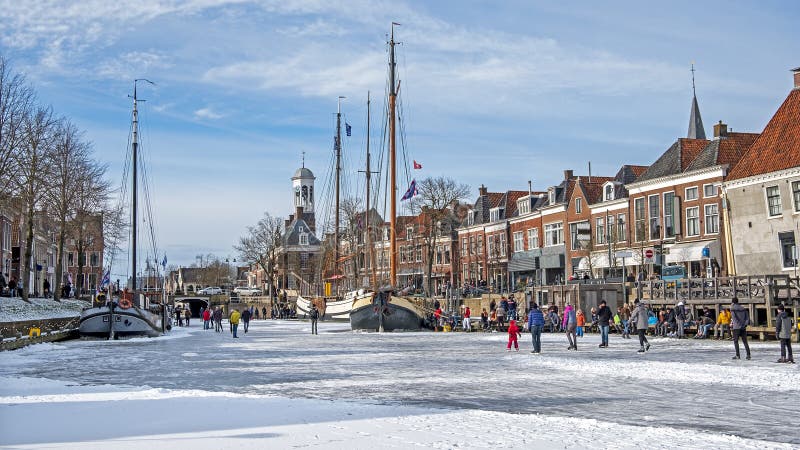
(535, 324)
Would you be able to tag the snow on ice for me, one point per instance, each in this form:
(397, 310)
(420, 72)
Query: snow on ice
(15, 309)
(281, 387)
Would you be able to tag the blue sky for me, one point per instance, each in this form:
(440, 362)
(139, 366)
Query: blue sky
(494, 93)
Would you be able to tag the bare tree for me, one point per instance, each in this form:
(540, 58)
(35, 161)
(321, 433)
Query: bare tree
(16, 99)
(352, 234)
(91, 197)
(39, 130)
(436, 199)
(260, 246)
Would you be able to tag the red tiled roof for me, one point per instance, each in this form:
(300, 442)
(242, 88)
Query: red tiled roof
(511, 201)
(778, 147)
(732, 148)
(594, 190)
(494, 199)
(638, 170)
(690, 148)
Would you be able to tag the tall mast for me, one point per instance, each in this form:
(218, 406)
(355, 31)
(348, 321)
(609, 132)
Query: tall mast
(369, 249)
(392, 165)
(338, 176)
(135, 199)
(135, 146)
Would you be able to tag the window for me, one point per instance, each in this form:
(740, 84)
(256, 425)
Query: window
(669, 214)
(621, 236)
(553, 234)
(551, 195)
(788, 248)
(533, 238)
(640, 221)
(503, 244)
(693, 221)
(447, 254)
(653, 215)
(573, 236)
(774, 201)
(464, 247)
(94, 259)
(419, 253)
(92, 281)
(600, 230)
(578, 205)
(691, 193)
(6, 236)
(712, 219)
(409, 233)
(303, 238)
(470, 218)
(490, 245)
(796, 195)
(402, 254)
(709, 190)
(472, 249)
(524, 205)
(519, 241)
(609, 192)
(71, 259)
(304, 260)
(480, 246)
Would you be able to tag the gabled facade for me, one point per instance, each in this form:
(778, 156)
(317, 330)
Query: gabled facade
(762, 195)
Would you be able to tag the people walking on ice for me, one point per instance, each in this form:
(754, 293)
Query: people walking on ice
(783, 331)
(217, 316)
(535, 325)
(603, 319)
(246, 314)
(639, 319)
(569, 323)
(581, 322)
(740, 319)
(513, 334)
(465, 323)
(234, 319)
(207, 318)
(680, 319)
(187, 314)
(314, 316)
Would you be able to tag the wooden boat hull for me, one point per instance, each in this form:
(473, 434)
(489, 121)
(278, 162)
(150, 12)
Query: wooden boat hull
(332, 309)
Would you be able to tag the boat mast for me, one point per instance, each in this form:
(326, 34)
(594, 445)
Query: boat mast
(134, 200)
(369, 248)
(338, 176)
(392, 165)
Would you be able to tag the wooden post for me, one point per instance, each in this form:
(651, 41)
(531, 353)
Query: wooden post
(768, 297)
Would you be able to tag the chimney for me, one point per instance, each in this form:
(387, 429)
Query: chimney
(720, 130)
(796, 71)
(298, 213)
(482, 190)
(568, 175)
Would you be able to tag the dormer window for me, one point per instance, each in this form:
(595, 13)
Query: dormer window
(608, 192)
(551, 195)
(470, 218)
(524, 205)
(409, 233)
(495, 214)
(303, 238)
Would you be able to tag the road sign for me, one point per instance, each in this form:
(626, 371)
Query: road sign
(649, 253)
(623, 254)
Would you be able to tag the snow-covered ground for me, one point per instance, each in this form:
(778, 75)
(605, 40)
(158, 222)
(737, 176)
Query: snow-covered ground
(278, 386)
(15, 309)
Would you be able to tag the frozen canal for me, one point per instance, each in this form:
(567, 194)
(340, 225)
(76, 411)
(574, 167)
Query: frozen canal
(687, 385)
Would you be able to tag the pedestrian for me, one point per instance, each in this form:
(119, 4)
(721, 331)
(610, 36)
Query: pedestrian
(680, 319)
(513, 334)
(570, 323)
(639, 318)
(535, 325)
(512, 307)
(783, 331)
(255, 314)
(264, 312)
(465, 323)
(484, 319)
(740, 319)
(206, 319)
(187, 314)
(12, 287)
(603, 319)
(625, 315)
(234, 320)
(46, 288)
(2, 284)
(581, 322)
(246, 314)
(437, 315)
(179, 315)
(217, 316)
(723, 323)
(314, 315)
(501, 316)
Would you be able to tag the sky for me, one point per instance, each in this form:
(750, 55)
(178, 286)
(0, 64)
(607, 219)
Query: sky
(493, 93)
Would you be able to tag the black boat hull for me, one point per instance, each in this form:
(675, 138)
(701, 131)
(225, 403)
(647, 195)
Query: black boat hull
(398, 314)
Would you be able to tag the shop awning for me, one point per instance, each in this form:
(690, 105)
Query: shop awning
(692, 251)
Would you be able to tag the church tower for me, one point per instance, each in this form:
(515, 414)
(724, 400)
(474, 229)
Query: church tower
(303, 189)
(696, 130)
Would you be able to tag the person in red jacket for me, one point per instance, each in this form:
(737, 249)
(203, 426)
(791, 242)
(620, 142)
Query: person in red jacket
(513, 334)
(465, 323)
(206, 319)
(437, 316)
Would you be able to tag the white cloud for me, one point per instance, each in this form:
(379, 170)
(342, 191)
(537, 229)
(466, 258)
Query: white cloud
(207, 113)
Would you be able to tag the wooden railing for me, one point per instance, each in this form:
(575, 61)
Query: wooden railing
(745, 288)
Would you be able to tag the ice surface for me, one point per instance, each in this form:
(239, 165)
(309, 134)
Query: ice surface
(15, 309)
(681, 393)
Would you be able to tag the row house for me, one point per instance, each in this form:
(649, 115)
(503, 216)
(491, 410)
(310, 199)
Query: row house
(761, 196)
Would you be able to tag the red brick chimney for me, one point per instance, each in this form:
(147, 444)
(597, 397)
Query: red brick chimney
(298, 213)
(482, 190)
(568, 175)
(796, 71)
(720, 130)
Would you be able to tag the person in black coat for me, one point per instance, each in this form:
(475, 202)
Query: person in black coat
(246, 319)
(604, 316)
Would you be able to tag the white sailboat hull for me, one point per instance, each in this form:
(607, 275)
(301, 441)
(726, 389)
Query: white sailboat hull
(335, 309)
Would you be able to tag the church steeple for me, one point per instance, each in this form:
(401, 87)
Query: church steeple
(696, 130)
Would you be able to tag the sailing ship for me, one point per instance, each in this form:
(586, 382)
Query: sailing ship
(385, 311)
(133, 313)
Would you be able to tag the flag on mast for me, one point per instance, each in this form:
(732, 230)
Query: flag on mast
(412, 191)
(417, 165)
(106, 279)
(164, 261)
(348, 129)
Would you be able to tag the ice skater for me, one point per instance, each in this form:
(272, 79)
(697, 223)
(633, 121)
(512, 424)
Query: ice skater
(314, 316)
(639, 319)
(234, 320)
(217, 316)
(783, 331)
(740, 319)
(570, 323)
(246, 314)
(513, 334)
(535, 325)
(604, 316)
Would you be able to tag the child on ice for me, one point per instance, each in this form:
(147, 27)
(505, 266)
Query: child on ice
(513, 334)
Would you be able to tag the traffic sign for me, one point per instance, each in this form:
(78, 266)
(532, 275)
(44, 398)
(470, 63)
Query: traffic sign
(649, 253)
